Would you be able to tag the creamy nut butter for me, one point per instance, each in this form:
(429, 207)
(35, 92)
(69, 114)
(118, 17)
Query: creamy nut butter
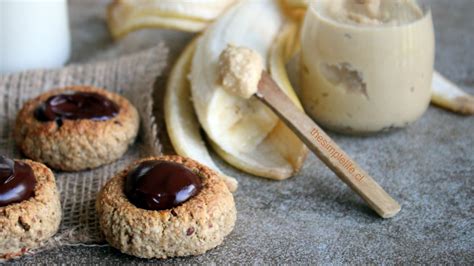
(240, 69)
(366, 64)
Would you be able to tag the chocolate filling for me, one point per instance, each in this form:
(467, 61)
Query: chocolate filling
(76, 105)
(160, 185)
(17, 181)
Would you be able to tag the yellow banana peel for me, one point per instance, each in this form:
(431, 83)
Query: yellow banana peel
(181, 121)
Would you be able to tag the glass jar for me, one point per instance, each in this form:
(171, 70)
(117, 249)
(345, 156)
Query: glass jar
(367, 65)
(33, 34)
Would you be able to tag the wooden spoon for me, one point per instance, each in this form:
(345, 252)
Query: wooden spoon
(241, 74)
(325, 148)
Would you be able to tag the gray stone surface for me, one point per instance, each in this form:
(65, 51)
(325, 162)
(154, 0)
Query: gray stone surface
(314, 218)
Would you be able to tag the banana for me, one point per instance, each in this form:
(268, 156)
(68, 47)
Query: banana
(245, 133)
(124, 16)
(181, 122)
(448, 96)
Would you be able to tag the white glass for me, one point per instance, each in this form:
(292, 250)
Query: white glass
(33, 34)
(367, 74)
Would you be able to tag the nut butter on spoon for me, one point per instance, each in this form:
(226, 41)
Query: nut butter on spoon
(241, 72)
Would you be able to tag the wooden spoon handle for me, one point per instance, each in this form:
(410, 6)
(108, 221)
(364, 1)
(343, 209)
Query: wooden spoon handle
(326, 149)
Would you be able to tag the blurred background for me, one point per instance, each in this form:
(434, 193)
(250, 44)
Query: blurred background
(91, 39)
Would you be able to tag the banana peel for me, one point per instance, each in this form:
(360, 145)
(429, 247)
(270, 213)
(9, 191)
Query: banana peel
(285, 47)
(181, 122)
(124, 16)
(245, 133)
(448, 96)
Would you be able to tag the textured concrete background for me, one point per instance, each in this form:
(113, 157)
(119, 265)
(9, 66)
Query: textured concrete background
(428, 167)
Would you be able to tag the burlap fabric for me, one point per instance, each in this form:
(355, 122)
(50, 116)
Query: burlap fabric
(132, 76)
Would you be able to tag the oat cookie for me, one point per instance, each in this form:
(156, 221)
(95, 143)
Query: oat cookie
(27, 224)
(76, 144)
(192, 228)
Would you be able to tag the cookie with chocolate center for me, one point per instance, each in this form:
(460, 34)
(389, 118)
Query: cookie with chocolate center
(164, 207)
(30, 210)
(76, 128)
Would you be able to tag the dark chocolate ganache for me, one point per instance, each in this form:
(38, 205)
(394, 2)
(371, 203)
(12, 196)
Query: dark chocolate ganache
(160, 185)
(17, 181)
(76, 105)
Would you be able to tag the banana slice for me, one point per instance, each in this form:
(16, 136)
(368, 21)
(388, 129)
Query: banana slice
(448, 96)
(124, 16)
(245, 133)
(181, 122)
